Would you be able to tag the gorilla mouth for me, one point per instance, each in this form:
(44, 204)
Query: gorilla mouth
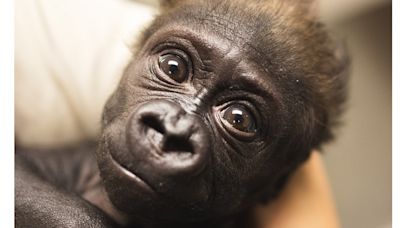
(131, 176)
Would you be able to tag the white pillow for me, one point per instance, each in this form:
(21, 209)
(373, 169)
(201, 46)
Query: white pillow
(69, 56)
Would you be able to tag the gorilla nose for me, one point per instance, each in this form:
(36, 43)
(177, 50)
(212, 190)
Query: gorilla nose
(170, 130)
(166, 139)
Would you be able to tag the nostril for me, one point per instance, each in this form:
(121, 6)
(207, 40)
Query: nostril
(177, 145)
(154, 123)
(169, 140)
(154, 129)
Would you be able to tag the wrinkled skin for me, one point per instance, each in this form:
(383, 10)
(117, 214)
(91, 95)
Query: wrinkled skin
(222, 102)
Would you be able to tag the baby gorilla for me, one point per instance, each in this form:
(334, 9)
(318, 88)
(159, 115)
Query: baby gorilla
(221, 103)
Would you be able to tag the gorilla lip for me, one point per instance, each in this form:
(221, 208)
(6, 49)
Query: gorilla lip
(132, 176)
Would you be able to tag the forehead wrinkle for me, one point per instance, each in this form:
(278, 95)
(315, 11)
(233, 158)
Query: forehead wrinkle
(240, 40)
(216, 30)
(235, 33)
(232, 51)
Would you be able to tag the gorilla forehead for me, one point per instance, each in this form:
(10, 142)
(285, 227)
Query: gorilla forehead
(278, 38)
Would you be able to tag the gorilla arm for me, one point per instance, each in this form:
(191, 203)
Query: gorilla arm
(40, 204)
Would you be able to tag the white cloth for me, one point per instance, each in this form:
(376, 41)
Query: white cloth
(69, 56)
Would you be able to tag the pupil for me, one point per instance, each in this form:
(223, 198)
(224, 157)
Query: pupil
(173, 67)
(237, 116)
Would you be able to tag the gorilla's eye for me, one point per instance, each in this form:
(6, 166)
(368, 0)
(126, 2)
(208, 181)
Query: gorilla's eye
(237, 118)
(174, 67)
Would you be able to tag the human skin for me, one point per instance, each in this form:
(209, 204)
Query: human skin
(306, 201)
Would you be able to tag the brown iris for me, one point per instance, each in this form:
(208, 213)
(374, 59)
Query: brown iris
(238, 117)
(174, 67)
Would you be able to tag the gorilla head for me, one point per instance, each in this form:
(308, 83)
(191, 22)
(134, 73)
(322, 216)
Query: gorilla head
(222, 101)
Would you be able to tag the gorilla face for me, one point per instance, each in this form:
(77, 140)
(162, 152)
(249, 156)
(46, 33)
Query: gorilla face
(217, 108)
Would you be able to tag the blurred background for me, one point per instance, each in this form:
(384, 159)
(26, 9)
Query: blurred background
(359, 162)
(69, 55)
